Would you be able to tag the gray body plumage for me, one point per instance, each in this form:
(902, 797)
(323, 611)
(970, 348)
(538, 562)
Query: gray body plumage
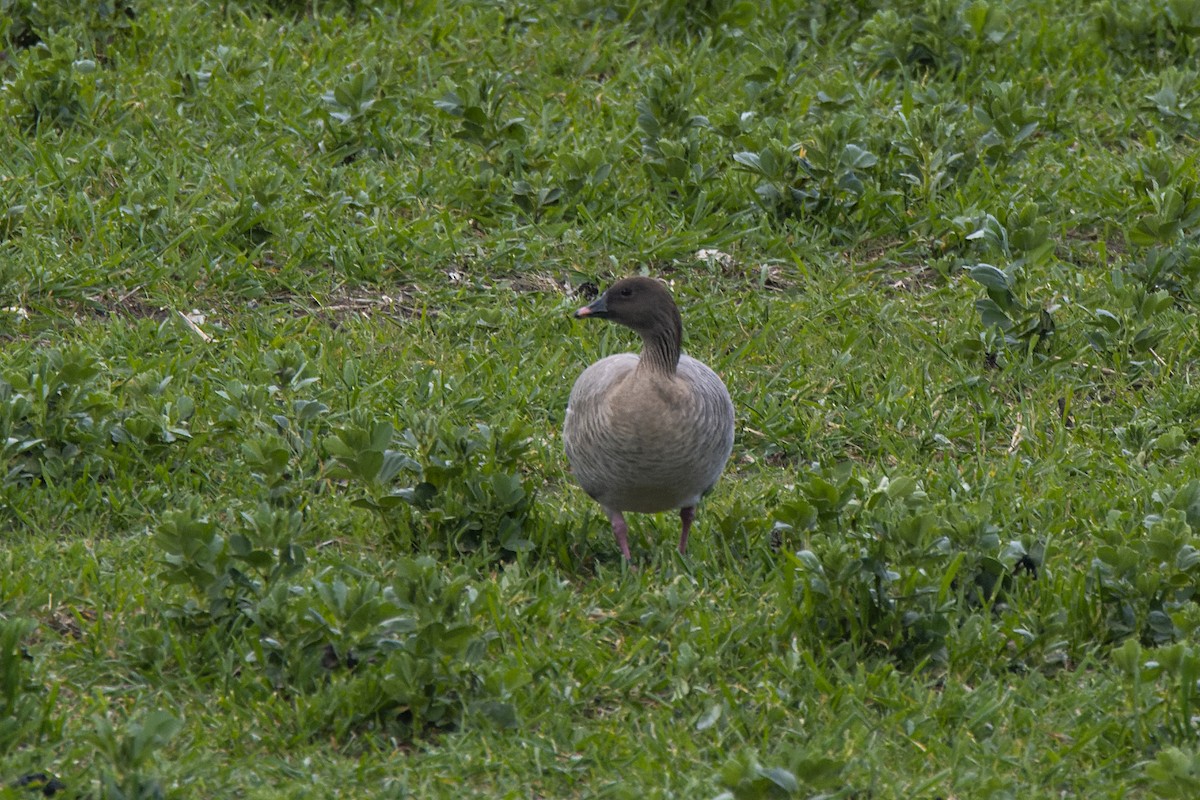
(646, 441)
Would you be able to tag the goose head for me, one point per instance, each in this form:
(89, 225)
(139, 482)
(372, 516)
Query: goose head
(644, 305)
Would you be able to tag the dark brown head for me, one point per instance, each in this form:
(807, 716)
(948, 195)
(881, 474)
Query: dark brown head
(646, 306)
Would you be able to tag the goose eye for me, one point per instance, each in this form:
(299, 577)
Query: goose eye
(626, 292)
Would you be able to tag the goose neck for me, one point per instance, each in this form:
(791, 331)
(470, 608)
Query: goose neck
(660, 351)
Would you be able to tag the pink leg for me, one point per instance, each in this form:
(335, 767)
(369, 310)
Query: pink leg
(686, 515)
(620, 531)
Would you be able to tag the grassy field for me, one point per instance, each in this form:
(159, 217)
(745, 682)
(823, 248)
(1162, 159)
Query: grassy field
(285, 344)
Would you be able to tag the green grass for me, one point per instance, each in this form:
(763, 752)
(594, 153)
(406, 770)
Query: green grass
(285, 296)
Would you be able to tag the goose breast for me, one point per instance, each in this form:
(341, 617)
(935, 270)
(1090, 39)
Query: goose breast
(643, 441)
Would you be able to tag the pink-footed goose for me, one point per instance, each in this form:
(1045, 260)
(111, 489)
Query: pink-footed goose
(647, 433)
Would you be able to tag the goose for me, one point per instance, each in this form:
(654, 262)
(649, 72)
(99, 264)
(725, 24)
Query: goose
(652, 432)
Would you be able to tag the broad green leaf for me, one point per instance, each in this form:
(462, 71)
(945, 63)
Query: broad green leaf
(990, 277)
